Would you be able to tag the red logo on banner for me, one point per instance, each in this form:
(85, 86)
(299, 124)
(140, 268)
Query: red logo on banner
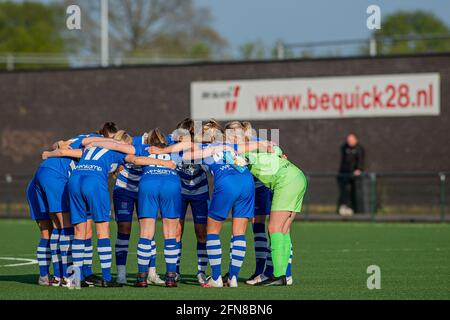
(230, 105)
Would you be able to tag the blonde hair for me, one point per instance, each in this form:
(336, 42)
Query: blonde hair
(211, 131)
(156, 138)
(123, 136)
(248, 129)
(245, 126)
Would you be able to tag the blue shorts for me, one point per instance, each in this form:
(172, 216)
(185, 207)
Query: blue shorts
(89, 199)
(263, 201)
(124, 203)
(159, 193)
(235, 195)
(54, 194)
(35, 202)
(199, 210)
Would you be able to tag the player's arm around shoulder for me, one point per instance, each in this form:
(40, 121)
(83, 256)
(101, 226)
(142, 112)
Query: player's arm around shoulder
(72, 153)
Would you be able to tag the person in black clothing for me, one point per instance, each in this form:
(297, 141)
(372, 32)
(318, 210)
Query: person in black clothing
(352, 165)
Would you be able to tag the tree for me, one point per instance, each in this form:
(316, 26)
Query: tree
(252, 50)
(153, 28)
(416, 23)
(32, 28)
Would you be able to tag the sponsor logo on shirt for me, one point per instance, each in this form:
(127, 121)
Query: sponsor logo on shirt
(89, 167)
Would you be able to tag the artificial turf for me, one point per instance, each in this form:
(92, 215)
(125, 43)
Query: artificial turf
(330, 262)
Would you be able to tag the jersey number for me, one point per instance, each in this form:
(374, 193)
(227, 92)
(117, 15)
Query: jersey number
(97, 156)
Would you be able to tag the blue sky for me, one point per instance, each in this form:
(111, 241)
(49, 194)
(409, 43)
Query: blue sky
(296, 21)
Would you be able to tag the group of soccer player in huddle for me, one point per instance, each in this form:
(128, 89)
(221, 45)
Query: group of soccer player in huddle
(166, 174)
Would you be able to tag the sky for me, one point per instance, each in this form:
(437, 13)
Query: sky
(294, 21)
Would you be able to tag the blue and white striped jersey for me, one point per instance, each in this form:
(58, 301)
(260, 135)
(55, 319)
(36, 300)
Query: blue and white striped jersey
(194, 182)
(129, 177)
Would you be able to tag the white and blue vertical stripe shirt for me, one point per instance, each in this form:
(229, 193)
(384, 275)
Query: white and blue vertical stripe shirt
(128, 178)
(194, 182)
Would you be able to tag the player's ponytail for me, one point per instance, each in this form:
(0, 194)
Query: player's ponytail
(122, 136)
(185, 128)
(187, 124)
(156, 138)
(108, 129)
(248, 130)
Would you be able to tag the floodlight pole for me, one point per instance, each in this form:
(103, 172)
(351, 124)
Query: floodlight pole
(104, 34)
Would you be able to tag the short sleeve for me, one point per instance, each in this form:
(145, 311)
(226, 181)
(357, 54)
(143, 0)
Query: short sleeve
(177, 157)
(140, 150)
(120, 158)
(278, 150)
(76, 143)
(137, 141)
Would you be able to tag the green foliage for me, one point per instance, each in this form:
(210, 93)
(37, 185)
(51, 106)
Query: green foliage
(415, 23)
(252, 50)
(30, 27)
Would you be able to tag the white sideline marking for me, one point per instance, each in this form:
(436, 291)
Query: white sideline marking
(27, 262)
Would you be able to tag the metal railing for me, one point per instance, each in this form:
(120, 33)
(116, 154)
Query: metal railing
(384, 196)
(372, 46)
(420, 196)
(354, 47)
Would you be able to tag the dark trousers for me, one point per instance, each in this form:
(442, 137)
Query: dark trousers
(347, 191)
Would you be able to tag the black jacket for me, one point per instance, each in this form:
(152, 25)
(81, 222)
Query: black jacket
(352, 158)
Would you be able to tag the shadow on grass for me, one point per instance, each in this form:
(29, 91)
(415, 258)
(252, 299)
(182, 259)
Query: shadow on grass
(20, 278)
(32, 279)
(187, 279)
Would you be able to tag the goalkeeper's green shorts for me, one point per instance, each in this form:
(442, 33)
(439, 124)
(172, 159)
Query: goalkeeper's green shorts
(288, 189)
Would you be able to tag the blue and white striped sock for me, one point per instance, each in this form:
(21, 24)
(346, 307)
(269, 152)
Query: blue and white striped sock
(105, 255)
(237, 255)
(269, 265)
(78, 255)
(144, 253)
(152, 262)
(214, 250)
(65, 245)
(180, 246)
(289, 267)
(261, 247)
(121, 248)
(56, 254)
(87, 258)
(202, 258)
(44, 256)
(171, 250)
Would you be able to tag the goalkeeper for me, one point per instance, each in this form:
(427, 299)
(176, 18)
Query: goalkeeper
(288, 185)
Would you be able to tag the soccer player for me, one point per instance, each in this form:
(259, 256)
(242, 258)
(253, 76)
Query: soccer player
(44, 223)
(240, 132)
(235, 133)
(125, 199)
(48, 194)
(194, 193)
(233, 190)
(288, 185)
(159, 189)
(88, 189)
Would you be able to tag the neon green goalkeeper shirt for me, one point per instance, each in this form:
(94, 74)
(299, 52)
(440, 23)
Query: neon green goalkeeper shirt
(265, 165)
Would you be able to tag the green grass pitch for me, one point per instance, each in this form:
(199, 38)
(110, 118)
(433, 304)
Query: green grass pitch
(330, 262)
